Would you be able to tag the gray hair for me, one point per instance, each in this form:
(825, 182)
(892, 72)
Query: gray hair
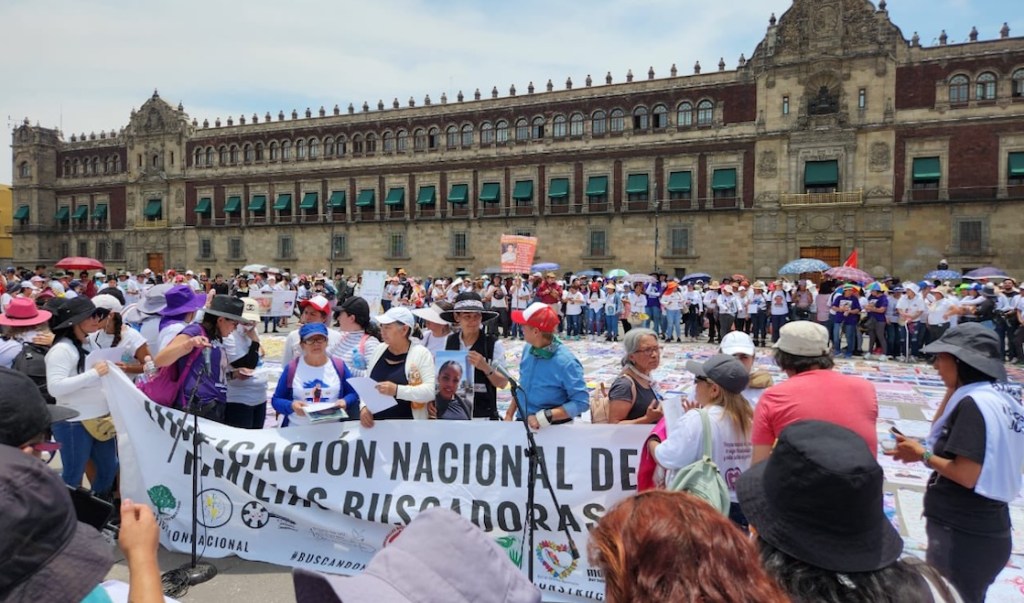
(631, 341)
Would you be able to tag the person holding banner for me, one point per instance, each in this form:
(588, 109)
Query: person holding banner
(486, 352)
(314, 378)
(402, 368)
(181, 306)
(552, 387)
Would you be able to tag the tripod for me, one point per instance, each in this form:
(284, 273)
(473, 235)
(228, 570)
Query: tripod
(194, 572)
(534, 459)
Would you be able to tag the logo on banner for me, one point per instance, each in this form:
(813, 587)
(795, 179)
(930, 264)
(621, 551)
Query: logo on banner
(216, 508)
(163, 499)
(393, 535)
(556, 559)
(256, 516)
(512, 547)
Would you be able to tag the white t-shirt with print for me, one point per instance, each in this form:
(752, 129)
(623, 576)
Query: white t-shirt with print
(730, 449)
(313, 385)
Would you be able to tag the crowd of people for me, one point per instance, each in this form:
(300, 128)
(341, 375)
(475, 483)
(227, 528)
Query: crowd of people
(797, 458)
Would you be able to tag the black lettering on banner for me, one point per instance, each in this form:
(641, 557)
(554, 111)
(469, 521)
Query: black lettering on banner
(233, 452)
(509, 517)
(288, 463)
(481, 515)
(448, 463)
(364, 456)
(265, 460)
(352, 504)
(593, 512)
(428, 502)
(628, 468)
(400, 463)
(401, 507)
(560, 469)
(456, 506)
(337, 460)
(567, 519)
(316, 495)
(467, 456)
(600, 469)
(486, 456)
(314, 461)
(512, 466)
(540, 518)
(424, 468)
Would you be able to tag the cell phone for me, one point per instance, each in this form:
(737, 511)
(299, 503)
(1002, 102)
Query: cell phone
(895, 431)
(90, 509)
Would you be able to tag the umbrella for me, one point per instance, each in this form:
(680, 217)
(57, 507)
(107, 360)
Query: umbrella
(989, 272)
(641, 278)
(79, 263)
(942, 275)
(696, 276)
(463, 273)
(252, 268)
(272, 270)
(846, 273)
(617, 273)
(543, 266)
(589, 273)
(804, 265)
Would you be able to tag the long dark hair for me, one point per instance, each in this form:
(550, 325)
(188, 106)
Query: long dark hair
(69, 333)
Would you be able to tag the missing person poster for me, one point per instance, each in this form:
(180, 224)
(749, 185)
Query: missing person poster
(454, 386)
(373, 289)
(517, 253)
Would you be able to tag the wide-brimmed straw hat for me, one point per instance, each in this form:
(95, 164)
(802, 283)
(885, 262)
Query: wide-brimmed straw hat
(468, 302)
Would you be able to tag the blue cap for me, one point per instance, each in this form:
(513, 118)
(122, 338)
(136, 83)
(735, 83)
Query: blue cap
(312, 328)
(925, 284)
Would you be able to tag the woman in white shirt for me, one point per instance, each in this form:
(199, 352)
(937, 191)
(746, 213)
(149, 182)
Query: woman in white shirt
(573, 301)
(314, 378)
(438, 329)
(113, 333)
(673, 302)
(73, 386)
(519, 295)
(718, 389)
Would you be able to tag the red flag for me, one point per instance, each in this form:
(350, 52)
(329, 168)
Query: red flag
(851, 262)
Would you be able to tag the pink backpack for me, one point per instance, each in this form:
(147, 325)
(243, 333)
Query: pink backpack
(165, 388)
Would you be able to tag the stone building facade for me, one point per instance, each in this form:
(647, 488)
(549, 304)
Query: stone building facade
(836, 133)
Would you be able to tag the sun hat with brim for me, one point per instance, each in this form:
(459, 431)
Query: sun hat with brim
(803, 338)
(48, 555)
(468, 302)
(26, 413)
(537, 315)
(409, 569)
(228, 307)
(397, 314)
(974, 345)
(22, 312)
(152, 302)
(724, 370)
(818, 499)
(71, 313)
(182, 300)
(431, 313)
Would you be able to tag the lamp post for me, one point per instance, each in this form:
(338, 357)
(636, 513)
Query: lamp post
(656, 205)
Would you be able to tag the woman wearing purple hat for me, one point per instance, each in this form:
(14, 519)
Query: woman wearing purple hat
(182, 304)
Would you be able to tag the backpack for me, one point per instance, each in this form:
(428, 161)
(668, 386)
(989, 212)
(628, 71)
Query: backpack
(600, 405)
(165, 388)
(702, 477)
(31, 361)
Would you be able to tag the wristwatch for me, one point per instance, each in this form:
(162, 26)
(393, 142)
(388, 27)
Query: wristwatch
(926, 458)
(548, 415)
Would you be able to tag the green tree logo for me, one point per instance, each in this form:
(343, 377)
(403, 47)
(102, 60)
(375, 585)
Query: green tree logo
(163, 500)
(509, 543)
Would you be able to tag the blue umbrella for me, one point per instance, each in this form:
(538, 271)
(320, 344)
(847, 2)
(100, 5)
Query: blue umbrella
(696, 276)
(588, 273)
(803, 265)
(942, 275)
(544, 266)
(989, 272)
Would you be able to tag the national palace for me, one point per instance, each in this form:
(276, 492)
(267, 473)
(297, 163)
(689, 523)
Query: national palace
(837, 132)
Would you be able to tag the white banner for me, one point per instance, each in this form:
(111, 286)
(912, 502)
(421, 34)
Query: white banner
(275, 303)
(372, 289)
(327, 497)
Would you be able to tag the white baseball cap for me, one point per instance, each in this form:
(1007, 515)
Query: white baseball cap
(737, 342)
(397, 314)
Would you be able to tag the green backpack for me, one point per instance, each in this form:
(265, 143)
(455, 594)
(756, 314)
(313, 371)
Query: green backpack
(702, 477)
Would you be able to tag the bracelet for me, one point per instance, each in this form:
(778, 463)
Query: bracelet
(492, 371)
(542, 419)
(926, 458)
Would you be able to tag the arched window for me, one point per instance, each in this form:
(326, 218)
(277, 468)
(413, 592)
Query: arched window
(259, 151)
(275, 152)
(522, 129)
(314, 148)
(117, 164)
(451, 135)
(705, 113)
(486, 133)
(342, 146)
(402, 141)
(209, 156)
(300, 149)
(24, 170)
(958, 85)
(501, 131)
(433, 138)
(223, 156)
(75, 166)
(558, 127)
(286, 150)
(67, 168)
(641, 119)
(419, 139)
(986, 86)
(467, 136)
(107, 163)
(247, 153)
(357, 144)
(1018, 83)
(389, 142)
(371, 143)
(234, 154)
(329, 147)
(684, 114)
(537, 129)
(599, 123)
(154, 161)
(197, 160)
(576, 124)
(95, 167)
(660, 117)
(617, 120)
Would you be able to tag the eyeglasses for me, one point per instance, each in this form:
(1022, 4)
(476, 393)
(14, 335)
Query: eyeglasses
(319, 340)
(46, 450)
(650, 350)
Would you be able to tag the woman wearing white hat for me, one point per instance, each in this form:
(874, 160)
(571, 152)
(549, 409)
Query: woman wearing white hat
(113, 333)
(438, 329)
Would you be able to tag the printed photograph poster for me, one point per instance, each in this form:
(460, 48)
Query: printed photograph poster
(453, 389)
(517, 253)
(372, 289)
(275, 303)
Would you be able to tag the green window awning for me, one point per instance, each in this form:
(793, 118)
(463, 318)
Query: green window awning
(523, 190)
(821, 173)
(491, 192)
(636, 184)
(309, 201)
(427, 196)
(154, 208)
(680, 182)
(927, 169)
(62, 214)
(100, 213)
(597, 186)
(233, 205)
(81, 212)
(396, 196)
(723, 180)
(559, 188)
(258, 203)
(284, 201)
(336, 200)
(459, 193)
(22, 213)
(203, 207)
(1016, 165)
(366, 198)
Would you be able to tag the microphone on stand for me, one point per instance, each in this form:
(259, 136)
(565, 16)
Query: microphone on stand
(206, 360)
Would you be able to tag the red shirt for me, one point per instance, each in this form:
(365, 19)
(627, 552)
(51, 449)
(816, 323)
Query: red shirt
(549, 293)
(820, 395)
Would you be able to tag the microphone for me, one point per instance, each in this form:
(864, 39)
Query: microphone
(504, 373)
(206, 360)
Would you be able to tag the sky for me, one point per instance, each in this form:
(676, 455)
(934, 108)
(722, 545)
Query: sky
(83, 65)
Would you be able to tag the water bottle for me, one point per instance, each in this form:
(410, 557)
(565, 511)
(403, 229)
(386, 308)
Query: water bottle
(149, 368)
(358, 360)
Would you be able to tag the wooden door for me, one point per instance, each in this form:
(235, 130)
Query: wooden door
(155, 262)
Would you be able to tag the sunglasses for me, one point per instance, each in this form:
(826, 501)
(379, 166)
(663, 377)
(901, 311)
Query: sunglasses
(100, 313)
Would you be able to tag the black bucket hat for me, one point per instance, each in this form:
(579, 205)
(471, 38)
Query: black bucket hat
(818, 498)
(71, 312)
(468, 301)
(228, 307)
(973, 344)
